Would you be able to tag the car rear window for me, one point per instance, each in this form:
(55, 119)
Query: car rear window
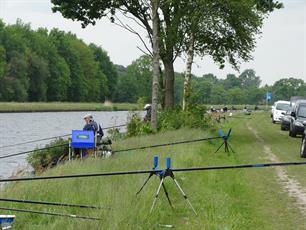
(302, 111)
(282, 106)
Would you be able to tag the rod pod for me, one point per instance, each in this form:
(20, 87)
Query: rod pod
(162, 174)
(227, 146)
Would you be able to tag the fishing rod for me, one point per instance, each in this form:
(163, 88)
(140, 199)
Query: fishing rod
(50, 213)
(167, 144)
(30, 151)
(55, 137)
(50, 203)
(156, 171)
(122, 150)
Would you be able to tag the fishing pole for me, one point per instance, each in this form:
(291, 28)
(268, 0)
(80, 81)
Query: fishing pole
(50, 213)
(30, 151)
(122, 150)
(55, 137)
(167, 144)
(260, 165)
(50, 203)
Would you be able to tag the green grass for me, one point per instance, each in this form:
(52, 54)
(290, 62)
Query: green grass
(78, 106)
(227, 199)
(63, 106)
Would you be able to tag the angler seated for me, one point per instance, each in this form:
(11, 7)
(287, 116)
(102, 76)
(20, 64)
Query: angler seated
(91, 125)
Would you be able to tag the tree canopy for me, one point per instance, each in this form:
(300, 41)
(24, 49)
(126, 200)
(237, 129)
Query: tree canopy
(223, 29)
(52, 65)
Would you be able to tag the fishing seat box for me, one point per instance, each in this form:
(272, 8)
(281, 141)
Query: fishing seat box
(6, 221)
(82, 139)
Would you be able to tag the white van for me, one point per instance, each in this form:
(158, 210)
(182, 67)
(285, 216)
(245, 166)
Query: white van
(279, 109)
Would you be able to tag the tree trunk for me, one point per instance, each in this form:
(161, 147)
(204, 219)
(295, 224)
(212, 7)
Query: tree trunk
(161, 88)
(156, 66)
(169, 83)
(187, 82)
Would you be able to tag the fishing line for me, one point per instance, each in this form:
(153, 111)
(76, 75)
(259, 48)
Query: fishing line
(50, 213)
(122, 150)
(261, 165)
(167, 144)
(55, 137)
(50, 203)
(30, 151)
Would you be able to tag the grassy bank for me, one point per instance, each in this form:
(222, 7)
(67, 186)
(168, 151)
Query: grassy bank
(228, 199)
(63, 106)
(86, 106)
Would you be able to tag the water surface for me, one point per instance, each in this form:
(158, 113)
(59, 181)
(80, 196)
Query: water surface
(22, 127)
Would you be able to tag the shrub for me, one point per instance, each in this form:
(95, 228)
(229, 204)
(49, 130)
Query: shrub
(114, 134)
(42, 159)
(174, 119)
(136, 126)
(193, 118)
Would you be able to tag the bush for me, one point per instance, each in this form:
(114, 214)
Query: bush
(136, 126)
(42, 159)
(114, 134)
(174, 119)
(195, 117)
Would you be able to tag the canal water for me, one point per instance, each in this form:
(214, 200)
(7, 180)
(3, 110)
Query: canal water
(23, 127)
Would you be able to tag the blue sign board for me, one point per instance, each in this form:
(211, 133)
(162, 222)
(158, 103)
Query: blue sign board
(269, 96)
(83, 139)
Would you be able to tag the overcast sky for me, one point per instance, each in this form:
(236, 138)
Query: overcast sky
(280, 52)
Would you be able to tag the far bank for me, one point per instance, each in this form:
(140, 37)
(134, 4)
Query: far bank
(15, 107)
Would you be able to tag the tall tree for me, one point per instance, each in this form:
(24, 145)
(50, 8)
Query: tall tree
(156, 66)
(107, 68)
(226, 30)
(38, 73)
(169, 32)
(248, 79)
(288, 87)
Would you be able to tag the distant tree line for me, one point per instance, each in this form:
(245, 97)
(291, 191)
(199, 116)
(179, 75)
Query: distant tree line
(134, 84)
(52, 65)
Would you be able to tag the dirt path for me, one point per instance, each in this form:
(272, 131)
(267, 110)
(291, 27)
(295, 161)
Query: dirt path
(290, 185)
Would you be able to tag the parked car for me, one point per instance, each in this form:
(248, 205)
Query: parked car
(303, 146)
(298, 119)
(285, 120)
(280, 108)
(294, 99)
(272, 109)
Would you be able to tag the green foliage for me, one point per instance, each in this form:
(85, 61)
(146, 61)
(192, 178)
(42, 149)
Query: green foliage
(42, 159)
(135, 82)
(242, 89)
(288, 87)
(115, 134)
(52, 66)
(136, 126)
(225, 30)
(141, 102)
(174, 119)
(170, 120)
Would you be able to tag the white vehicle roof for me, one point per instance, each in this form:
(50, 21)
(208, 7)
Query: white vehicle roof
(283, 102)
